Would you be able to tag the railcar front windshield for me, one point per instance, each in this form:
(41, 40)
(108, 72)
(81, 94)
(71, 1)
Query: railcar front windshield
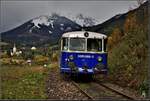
(77, 44)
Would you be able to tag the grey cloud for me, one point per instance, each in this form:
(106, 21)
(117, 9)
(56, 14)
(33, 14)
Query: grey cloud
(15, 13)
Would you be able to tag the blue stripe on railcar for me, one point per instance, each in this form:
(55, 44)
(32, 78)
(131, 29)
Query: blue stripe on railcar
(81, 60)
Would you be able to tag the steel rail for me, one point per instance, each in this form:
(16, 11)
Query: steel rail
(116, 91)
(130, 97)
(83, 92)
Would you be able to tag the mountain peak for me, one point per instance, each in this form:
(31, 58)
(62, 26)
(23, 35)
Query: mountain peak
(43, 20)
(84, 21)
(41, 30)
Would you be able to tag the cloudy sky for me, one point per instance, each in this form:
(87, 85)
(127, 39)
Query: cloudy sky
(14, 13)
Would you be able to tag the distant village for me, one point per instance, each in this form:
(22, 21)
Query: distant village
(18, 52)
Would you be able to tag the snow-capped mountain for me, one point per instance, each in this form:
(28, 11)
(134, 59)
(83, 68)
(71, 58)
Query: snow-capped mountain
(44, 21)
(83, 20)
(40, 30)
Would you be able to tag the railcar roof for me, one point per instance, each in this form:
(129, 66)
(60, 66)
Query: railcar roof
(81, 34)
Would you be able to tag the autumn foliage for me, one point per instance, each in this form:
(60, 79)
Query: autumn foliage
(128, 50)
(114, 38)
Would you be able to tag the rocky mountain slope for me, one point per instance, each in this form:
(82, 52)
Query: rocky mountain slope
(40, 30)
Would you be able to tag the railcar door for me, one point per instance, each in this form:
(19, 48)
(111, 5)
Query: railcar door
(63, 55)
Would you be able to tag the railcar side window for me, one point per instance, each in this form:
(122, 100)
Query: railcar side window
(77, 44)
(94, 45)
(65, 44)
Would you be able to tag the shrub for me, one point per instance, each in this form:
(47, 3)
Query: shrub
(17, 61)
(40, 59)
(128, 54)
(12, 61)
(4, 55)
(54, 56)
(5, 61)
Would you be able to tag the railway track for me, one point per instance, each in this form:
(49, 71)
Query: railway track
(99, 89)
(82, 91)
(128, 96)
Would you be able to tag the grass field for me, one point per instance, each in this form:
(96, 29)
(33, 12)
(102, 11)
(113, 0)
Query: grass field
(23, 82)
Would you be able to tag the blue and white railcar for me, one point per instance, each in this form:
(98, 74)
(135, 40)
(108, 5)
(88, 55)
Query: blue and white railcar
(83, 52)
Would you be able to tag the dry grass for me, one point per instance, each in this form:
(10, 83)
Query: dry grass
(23, 82)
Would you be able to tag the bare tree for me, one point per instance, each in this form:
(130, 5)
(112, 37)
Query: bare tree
(140, 2)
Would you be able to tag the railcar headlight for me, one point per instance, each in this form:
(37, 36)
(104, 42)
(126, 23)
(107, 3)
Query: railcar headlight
(71, 57)
(86, 34)
(99, 59)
